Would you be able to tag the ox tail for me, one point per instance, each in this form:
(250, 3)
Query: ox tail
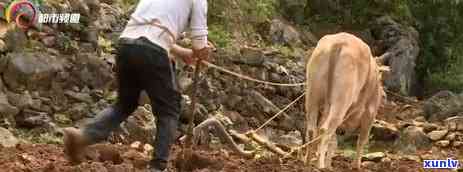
(334, 57)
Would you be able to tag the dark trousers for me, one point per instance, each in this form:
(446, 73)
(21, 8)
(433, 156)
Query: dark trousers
(142, 65)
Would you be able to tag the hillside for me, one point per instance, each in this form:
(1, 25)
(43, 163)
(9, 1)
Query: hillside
(58, 75)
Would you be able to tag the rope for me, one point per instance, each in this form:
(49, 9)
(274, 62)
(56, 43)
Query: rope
(312, 141)
(249, 78)
(279, 113)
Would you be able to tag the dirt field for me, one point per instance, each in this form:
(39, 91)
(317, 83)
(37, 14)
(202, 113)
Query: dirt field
(120, 158)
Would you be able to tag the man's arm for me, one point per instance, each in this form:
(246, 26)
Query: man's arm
(198, 25)
(185, 54)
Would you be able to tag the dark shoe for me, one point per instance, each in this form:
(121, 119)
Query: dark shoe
(156, 170)
(75, 143)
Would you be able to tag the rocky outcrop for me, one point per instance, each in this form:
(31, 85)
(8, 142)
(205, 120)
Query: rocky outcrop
(285, 34)
(31, 71)
(402, 50)
(413, 138)
(443, 105)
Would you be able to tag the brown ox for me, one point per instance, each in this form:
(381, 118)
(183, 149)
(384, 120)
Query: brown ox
(343, 88)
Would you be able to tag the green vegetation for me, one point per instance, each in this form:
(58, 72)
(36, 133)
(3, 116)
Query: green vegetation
(35, 136)
(440, 24)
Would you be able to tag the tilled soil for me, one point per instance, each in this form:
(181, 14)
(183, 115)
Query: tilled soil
(121, 158)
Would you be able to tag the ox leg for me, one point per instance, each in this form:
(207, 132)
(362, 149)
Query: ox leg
(334, 119)
(310, 133)
(362, 140)
(327, 131)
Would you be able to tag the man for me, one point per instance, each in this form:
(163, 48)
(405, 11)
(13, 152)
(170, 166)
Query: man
(143, 63)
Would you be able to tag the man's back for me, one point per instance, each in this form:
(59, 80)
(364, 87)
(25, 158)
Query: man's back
(176, 15)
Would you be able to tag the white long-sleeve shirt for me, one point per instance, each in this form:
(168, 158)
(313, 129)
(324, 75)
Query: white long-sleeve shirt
(177, 15)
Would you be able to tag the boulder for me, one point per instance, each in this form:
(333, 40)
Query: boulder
(455, 123)
(437, 135)
(413, 138)
(7, 111)
(294, 9)
(92, 71)
(442, 105)
(292, 139)
(31, 71)
(283, 33)
(451, 136)
(78, 111)
(15, 38)
(21, 101)
(79, 96)
(457, 144)
(32, 119)
(375, 156)
(265, 104)
(7, 139)
(402, 50)
(443, 143)
(383, 131)
(250, 56)
(141, 126)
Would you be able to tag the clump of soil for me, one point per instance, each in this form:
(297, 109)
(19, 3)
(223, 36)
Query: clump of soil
(122, 158)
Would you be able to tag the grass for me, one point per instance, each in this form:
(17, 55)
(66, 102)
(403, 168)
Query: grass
(35, 136)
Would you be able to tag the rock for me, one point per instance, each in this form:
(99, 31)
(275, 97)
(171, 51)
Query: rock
(410, 158)
(31, 119)
(3, 47)
(92, 71)
(110, 17)
(294, 9)
(455, 123)
(383, 131)
(457, 144)
(443, 143)
(78, 111)
(437, 135)
(403, 49)
(251, 56)
(428, 127)
(438, 107)
(368, 164)
(7, 139)
(233, 101)
(21, 101)
(412, 138)
(265, 104)
(141, 126)
(375, 156)
(184, 83)
(292, 139)
(82, 97)
(31, 71)
(7, 111)
(283, 33)
(15, 38)
(49, 41)
(386, 160)
(451, 136)
(236, 118)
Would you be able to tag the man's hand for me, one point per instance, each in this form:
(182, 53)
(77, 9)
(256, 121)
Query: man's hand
(202, 54)
(188, 60)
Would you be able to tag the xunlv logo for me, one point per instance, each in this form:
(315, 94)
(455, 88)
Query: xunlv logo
(449, 163)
